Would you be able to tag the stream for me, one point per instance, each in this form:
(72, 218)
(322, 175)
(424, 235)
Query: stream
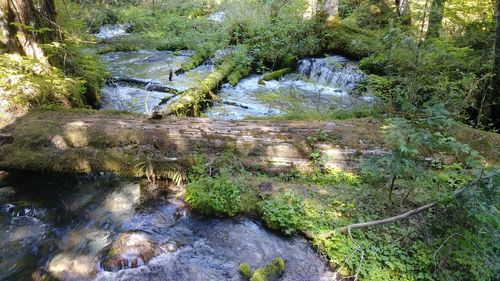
(98, 227)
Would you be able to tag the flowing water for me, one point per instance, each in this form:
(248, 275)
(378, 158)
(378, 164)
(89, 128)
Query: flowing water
(100, 227)
(62, 227)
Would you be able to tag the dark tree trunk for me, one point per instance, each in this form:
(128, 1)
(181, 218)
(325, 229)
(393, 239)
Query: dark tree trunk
(48, 19)
(494, 99)
(435, 18)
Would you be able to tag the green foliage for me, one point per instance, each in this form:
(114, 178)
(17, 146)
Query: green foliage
(27, 83)
(408, 140)
(415, 74)
(284, 212)
(214, 196)
(348, 39)
(85, 66)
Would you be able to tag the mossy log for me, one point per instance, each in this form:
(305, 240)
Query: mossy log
(275, 75)
(191, 101)
(131, 145)
(268, 272)
(194, 61)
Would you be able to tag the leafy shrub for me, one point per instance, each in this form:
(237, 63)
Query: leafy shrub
(283, 212)
(214, 196)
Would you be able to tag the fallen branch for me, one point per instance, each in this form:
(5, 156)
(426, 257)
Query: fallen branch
(387, 220)
(403, 216)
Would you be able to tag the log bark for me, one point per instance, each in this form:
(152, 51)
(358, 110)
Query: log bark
(23, 13)
(83, 142)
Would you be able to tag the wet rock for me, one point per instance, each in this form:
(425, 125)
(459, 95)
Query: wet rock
(180, 213)
(130, 250)
(153, 191)
(170, 246)
(71, 267)
(41, 275)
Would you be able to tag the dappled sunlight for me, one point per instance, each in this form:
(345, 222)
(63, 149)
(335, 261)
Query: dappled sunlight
(70, 266)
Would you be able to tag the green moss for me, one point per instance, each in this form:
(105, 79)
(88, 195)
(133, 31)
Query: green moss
(193, 62)
(193, 100)
(246, 270)
(269, 272)
(350, 40)
(275, 75)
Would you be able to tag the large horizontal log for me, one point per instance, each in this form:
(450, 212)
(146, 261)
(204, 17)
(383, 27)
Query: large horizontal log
(90, 141)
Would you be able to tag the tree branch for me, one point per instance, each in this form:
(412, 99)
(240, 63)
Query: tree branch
(403, 216)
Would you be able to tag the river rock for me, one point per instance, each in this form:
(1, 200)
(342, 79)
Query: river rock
(170, 246)
(130, 250)
(181, 212)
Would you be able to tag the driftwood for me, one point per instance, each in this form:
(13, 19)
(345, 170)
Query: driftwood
(94, 141)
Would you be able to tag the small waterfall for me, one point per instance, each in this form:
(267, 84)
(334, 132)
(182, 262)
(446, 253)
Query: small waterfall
(109, 31)
(335, 71)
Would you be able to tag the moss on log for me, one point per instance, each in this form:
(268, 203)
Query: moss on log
(194, 61)
(191, 102)
(84, 141)
(131, 145)
(350, 40)
(275, 75)
(237, 75)
(268, 272)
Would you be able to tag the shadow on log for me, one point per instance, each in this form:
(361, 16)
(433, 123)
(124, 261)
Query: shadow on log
(130, 145)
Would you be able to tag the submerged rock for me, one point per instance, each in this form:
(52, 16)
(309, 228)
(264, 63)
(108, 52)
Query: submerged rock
(130, 250)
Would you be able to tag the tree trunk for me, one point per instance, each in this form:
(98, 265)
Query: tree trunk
(7, 32)
(23, 14)
(404, 11)
(435, 19)
(48, 15)
(494, 100)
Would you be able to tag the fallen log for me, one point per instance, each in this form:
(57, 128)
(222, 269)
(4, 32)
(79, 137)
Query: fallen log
(191, 101)
(95, 141)
(147, 84)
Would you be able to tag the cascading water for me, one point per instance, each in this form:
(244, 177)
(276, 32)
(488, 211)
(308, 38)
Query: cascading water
(110, 31)
(99, 229)
(334, 71)
(318, 84)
